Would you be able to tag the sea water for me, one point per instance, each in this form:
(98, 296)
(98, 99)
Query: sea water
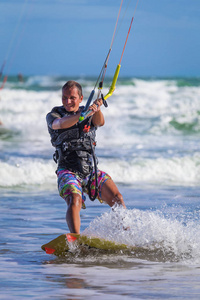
(150, 146)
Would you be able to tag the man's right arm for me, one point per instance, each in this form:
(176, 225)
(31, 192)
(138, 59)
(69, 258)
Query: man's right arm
(65, 122)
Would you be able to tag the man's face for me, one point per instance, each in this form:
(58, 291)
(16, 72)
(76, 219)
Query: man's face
(71, 99)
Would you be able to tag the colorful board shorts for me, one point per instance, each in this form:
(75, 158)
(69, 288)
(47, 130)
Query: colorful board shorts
(69, 183)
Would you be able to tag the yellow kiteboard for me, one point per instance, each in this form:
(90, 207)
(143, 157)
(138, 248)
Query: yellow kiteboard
(60, 245)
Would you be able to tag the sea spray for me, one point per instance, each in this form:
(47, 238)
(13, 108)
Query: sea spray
(175, 237)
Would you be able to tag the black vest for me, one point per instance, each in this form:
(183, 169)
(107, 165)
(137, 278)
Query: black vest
(75, 147)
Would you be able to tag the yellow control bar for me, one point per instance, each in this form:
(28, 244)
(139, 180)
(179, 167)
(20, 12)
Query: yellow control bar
(112, 88)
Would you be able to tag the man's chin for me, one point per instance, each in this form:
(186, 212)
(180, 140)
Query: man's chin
(69, 109)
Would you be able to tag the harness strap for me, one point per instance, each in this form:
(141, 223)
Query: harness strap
(92, 198)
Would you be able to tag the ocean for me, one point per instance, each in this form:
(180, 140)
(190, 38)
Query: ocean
(150, 146)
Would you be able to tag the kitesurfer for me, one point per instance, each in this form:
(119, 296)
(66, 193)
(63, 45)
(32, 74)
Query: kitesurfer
(74, 142)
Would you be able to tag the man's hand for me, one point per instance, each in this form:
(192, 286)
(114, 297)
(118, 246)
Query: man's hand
(95, 107)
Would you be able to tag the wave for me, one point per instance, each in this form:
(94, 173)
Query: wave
(54, 83)
(144, 109)
(27, 172)
(151, 132)
(176, 171)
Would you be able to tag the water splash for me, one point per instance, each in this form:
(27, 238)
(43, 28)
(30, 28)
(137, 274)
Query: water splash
(161, 234)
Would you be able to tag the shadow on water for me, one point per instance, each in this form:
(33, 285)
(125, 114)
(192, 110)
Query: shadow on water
(110, 258)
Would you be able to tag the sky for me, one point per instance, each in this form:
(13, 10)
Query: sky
(73, 37)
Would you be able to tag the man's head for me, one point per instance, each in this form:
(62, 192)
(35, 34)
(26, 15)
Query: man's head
(72, 96)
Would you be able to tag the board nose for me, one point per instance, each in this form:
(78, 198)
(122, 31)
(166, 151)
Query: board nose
(49, 250)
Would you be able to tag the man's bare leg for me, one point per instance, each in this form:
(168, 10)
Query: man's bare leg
(110, 194)
(74, 202)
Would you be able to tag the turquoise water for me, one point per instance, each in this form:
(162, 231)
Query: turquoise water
(150, 146)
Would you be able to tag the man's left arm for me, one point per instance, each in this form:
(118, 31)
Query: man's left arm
(98, 117)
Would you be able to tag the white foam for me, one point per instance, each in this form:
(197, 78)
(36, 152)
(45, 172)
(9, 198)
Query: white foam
(26, 171)
(176, 171)
(150, 229)
(183, 171)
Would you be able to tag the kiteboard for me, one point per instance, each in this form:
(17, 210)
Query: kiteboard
(61, 245)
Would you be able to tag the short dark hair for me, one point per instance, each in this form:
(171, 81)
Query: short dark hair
(71, 84)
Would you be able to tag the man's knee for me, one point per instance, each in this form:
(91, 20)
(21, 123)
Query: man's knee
(74, 200)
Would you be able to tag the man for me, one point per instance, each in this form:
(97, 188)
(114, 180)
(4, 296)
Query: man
(75, 143)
